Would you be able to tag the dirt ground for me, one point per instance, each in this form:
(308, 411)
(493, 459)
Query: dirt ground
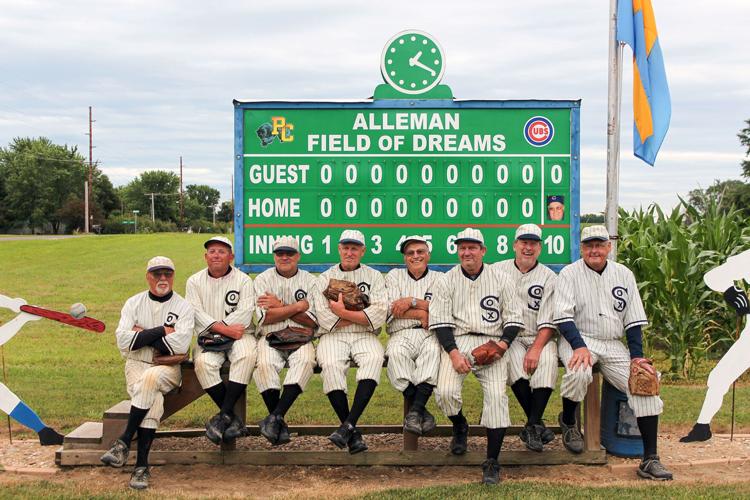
(716, 461)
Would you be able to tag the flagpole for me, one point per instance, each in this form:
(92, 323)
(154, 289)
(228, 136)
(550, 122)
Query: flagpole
(614, 90)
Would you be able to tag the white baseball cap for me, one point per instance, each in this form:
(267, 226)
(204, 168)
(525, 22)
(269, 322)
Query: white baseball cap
(219, 239)
(159, 262)
(286, 244)
(529, 232)
(594, 233)
(352, 236)
(470, 234)
(413, 239)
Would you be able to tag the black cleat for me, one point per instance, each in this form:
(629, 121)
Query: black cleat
(235, 429)
(460, 436)
(342, 435)
(49, 436)
(269, 428)
(652, 468)
(284, 436)
(490, 471)
(548, 435)
(216, 426)
(699, 432)
(534, 438)
(571, 436)
(413, 423)
(428, 422)
(356, 443)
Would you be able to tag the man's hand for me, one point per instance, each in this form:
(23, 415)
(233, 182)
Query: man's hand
(302, 305)
(137, 328)
(234, 331)
(531, 360)
(581, 357)
(400, 306)
(168, 330)
(269, 301)
(337, 307)
(425, 320)
(460, 362)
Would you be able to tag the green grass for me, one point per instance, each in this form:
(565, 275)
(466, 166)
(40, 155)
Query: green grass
(70, 375)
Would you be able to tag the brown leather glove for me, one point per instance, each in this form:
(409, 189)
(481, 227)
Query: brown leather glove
(643, 380)
(354, 299)
(290, 338)
(488, 353)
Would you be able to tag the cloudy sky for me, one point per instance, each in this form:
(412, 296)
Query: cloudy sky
(161, 76)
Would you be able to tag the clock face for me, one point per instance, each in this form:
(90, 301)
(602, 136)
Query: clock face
(412, 62)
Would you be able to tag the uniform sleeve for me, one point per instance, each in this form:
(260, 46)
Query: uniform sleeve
(512, 307)
(564, 299)
(377, 311)
(547, 307)
(635, 315)
(246, 306)
(326, 319)
(392, 292)
(441, 306)
(178, 342)
(312, 299)
(259, 288)
(125, 335)
(203, 320)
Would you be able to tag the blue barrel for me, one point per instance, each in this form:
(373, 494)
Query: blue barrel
(619, 428)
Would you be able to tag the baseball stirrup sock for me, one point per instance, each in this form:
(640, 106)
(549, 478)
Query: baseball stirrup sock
(135, 418)
(539, 399)
(145, 438)
(290, 394)
(649, 427)
(271, 399)
(424, 391)
(494, 442)
(410, 392)
(340, 404)
(26, 416)
(217, 393)
(234, 391)
(458, 420)
(522, 390)
(569, 411)
(365, 390)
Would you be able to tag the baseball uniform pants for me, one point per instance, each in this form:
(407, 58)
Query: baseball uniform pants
(241, 358)
(147, 384)
(337, 348)
(545, 375)
(413, 356)
(271, 361)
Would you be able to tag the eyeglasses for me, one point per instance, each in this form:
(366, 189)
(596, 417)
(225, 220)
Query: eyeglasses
(420, 251)
(162, 274)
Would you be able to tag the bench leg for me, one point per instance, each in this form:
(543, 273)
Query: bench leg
(411, 441)
(592, 417)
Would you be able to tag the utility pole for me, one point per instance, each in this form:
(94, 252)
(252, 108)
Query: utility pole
(153, 217)
(182, 207)
(91, 174)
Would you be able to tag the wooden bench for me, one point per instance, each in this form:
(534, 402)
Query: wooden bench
(84, 445)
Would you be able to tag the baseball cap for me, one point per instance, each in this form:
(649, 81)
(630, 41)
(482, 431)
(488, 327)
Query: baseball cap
(470, 234)
(594, 233)
(413, 239)
(159, 262)
(219, 239)
(555, 198)
(352, 236)
(286, 244)
(529, 232)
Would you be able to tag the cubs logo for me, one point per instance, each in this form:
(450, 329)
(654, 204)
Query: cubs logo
(621, 295)
(171, 319)
(490, 305)
(300, 294)
(535, 292)
(538, 131)
(428, 296)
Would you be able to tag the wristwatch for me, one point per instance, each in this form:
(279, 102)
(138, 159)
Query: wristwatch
(414, 302)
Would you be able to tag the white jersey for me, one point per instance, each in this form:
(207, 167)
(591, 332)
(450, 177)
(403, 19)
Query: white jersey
(602, 305)
(400, 283)
(535, 290)
(144, 311)
(370, 282)
(229, 298)
(288, 290)
(484, 305)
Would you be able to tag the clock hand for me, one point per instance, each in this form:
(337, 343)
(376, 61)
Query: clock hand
(413, 62)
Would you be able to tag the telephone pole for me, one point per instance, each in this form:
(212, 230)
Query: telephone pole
(182, 207)
(91, 174)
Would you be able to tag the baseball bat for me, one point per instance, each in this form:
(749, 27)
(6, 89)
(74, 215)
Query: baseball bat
(86, 323)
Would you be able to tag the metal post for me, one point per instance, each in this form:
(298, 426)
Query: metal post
(182, 208)
(91, 172)
(153, 217)
(86, 206)
(614, 89)
(135, 214)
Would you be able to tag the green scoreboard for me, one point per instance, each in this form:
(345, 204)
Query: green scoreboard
(399, 165)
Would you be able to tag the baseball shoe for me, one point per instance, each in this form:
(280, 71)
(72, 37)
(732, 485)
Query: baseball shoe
(342, 435)
(49, 436)
(652, 468)
(235, 429)
(413, 423)
(460, 436)
(284, 436)
(534, 438)
(571, 436)
(699, 432)
(139, 479)
(117, 456)
(270, 428)
(428, 422)
(548, 435)
(356, 443)
(216, 426)
(490, 471)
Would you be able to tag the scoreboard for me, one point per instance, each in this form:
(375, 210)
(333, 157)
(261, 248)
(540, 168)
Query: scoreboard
(397, 167)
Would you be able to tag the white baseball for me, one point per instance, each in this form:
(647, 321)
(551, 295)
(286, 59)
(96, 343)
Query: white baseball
(78, 310)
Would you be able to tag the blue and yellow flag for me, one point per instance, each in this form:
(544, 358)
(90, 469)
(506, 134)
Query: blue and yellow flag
(652, 108)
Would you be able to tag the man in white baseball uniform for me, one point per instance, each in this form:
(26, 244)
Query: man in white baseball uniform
(737, 359)
(413, 351)
(224, 302)
(350, 335)
(473, 304)
(284, 298)
(532, 357)
(596, 301)
(153, 323)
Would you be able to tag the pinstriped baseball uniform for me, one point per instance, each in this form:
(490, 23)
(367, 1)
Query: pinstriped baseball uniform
(535, 290)
(603, 307)
(358, 342)
(147, 383)
(477, 310)
(271, 361)
(413, 352)
(230, 299)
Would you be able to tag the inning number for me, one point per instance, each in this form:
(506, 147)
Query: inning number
(556, 174)
(377, 244)
(555, 244)
(502, 244)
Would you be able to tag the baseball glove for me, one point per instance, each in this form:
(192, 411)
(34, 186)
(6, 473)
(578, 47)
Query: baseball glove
(354, 299)
(643, 380)
(290, 338)
(488, 353)
(214, 342)
(170, 359)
